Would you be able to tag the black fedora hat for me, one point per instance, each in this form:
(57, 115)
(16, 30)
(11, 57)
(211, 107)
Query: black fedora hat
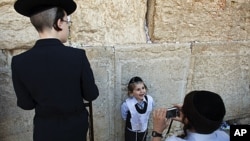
(31, 7)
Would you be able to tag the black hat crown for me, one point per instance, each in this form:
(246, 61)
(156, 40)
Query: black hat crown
(31, 7)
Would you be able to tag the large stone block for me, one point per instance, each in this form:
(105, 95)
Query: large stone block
(15, 124)
(102, 63)
(109, 22)
(198, 20)
(223, 68)
(16, 31)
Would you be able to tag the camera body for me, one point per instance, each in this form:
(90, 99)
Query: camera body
(172, 112)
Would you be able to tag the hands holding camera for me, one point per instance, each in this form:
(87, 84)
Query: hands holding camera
(160, 122)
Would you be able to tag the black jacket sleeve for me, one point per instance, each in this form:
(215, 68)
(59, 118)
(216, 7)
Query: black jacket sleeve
(89, 89)
(24, 99)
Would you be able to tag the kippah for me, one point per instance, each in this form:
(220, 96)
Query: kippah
(205, 111)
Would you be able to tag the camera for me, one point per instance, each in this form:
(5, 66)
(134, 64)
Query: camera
(172, 112)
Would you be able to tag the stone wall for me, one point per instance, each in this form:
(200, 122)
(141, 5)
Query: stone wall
(175, 45)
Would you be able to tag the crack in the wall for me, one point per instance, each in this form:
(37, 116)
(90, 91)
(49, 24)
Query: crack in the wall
(148, 40)
(149, 20)
(4, 58)
(146, 31)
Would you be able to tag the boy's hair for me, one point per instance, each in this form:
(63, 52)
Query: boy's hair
(47, 19)
(133, 81)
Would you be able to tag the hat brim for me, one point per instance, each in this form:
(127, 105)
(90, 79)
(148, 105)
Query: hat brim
(31, 7)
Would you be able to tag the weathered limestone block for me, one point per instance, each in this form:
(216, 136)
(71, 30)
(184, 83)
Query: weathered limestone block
(109, 22)
(223, 68)
(198, 20)
(16, 31)
(15, 124)
(102, 63)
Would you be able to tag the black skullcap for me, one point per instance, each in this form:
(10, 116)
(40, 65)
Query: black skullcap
(30, 7)
(135, 80)
(205, 111)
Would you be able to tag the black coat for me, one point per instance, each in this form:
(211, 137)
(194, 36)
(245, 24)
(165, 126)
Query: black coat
(54, 79)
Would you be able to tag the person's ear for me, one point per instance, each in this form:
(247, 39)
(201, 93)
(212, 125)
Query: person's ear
(59, 23)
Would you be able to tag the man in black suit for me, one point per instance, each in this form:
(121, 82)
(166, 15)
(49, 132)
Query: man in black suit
(53, 78)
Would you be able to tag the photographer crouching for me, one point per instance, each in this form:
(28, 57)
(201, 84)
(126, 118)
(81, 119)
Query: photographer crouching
(202, 114)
